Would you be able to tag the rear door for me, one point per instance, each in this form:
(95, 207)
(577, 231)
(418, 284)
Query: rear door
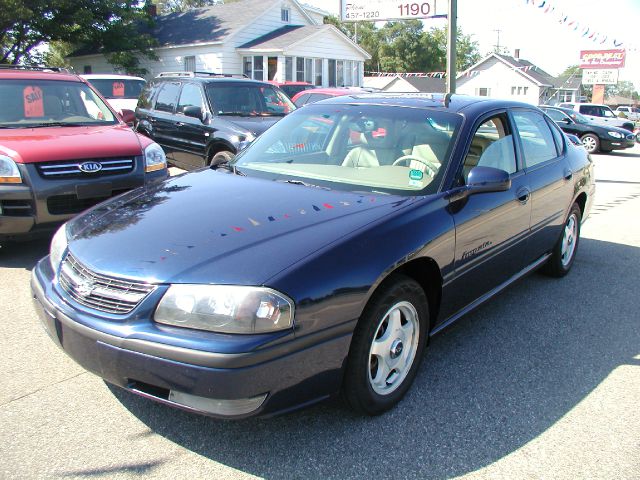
(549, 176)
(492, 229)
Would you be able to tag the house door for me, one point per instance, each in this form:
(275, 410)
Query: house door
(272, 66)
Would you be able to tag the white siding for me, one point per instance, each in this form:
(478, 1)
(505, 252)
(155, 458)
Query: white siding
(500, 79)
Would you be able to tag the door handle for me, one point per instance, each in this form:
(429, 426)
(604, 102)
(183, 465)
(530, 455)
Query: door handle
(179, 124)
(523, 195)
(567, 174)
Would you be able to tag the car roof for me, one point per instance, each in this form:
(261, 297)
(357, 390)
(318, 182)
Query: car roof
(452, 103)
(19, 74)
(562, 109)
(109, 76)
(212, 79)
(273, 82)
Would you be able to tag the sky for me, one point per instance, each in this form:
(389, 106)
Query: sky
(540, 36)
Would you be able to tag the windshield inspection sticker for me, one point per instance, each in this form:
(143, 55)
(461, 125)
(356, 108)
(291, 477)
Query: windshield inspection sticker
(33, 102)
(416, 175)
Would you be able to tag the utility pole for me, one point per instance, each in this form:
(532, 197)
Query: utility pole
(451, 46)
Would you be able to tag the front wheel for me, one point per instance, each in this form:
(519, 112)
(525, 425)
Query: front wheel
(223, 156)
(564, 252)
(387, 346)
(591, 142)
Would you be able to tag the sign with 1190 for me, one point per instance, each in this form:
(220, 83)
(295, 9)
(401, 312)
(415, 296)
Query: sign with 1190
(382, 10)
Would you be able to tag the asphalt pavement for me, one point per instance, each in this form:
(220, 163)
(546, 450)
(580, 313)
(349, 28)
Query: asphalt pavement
(542, 382)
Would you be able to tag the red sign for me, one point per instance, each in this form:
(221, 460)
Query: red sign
(33, 102)
(118, 89)
(602, 58)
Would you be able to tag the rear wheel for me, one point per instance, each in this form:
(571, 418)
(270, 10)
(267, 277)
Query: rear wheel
(564, 253)
(387, 346)
(591, 142)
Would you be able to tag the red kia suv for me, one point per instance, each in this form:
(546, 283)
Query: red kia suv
(63, 150)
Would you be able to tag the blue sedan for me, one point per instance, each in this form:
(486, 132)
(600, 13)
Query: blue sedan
(321, 259)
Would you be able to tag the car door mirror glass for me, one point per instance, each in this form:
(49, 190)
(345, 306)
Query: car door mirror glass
(488, 179)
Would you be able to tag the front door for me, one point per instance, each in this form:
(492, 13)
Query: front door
(492, 229)
(272, 68)
(190, 148)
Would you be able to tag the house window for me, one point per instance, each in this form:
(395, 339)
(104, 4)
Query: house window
(300, 69)
(525, 90)
(340, 73)
(318, 72)
(87, 69)
(288, 69)
(356, 73)
(513, 90)
(332, 73)
(284, 15)
(308, 70)
(258, 67)
(190, 64)
(483, 92)
(565, 96)
(247, 66)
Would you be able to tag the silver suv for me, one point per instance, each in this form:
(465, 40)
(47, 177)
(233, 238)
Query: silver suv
(600, 114)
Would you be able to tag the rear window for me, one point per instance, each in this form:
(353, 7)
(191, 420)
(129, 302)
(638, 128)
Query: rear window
(118, 88)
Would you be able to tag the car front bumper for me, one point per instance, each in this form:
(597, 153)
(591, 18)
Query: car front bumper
(39, 205)
(288, 374)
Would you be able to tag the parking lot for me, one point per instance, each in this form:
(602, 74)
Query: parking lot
(542, 382)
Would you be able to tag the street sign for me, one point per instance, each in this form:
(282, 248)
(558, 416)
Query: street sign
(600, 77)
(602, 58)
(383, 10)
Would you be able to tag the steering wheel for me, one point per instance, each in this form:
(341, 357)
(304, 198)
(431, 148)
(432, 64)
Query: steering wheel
(432, 168)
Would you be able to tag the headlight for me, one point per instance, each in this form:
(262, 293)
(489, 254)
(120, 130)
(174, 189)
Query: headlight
(225, 308)
(58, 247)
(616, 134)
(154, 158)
(9, 172)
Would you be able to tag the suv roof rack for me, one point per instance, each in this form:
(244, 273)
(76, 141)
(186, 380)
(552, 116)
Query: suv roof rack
(201, 74)
(35, 67)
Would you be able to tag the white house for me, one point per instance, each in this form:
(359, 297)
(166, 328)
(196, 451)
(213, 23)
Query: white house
(279, 40)
(512, 78)
(405, 83)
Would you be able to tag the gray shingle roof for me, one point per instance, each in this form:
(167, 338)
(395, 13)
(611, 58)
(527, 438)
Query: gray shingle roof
(427, 84)
(534, 71)
(285, 36)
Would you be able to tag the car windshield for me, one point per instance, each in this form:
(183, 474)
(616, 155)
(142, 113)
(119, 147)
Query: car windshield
(40, 103)
(372, 148)
(248, 100)
(116, 88)
(578, 117)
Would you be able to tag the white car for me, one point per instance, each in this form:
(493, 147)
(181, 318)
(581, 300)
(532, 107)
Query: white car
(600, 114)
(121, 91)
(632, 113)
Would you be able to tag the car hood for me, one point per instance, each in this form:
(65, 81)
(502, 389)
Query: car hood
(215, 227)
(33, 145)
(256, 125)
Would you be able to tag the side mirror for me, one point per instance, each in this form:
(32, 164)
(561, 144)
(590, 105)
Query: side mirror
(487, 179)
(195, 112)
(567, 121)
(128, 116)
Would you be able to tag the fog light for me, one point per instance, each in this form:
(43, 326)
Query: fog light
(215, 406)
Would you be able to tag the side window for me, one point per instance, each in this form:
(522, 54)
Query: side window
(144, 101)
(558, 137)
(191, 96)
(302, 99)
(556, 115)
(605, 112)
(167, 97)
(538, 144)
(491, 146)
(589, 110)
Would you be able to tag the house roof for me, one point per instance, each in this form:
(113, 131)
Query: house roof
(283, 37)
(527, 68)
(427, 84)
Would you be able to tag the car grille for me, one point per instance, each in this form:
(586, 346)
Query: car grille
(71, 204)
(16, 208)
(71, 168)
(106, 294)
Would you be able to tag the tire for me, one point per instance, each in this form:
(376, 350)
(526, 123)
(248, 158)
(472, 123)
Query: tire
(564, 252)
(591, 142)
(374, 383)
(222, 156)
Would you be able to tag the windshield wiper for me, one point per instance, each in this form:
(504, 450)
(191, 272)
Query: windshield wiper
(300, 182)
(58, 124)
(236, 114)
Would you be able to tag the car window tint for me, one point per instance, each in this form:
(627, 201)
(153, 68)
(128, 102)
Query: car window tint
(589, 110)
(491, 146)
(168, 97)
(191, 96)
(558, 137)
(537, 140)
(144, 101)
(301, 100)
(316, 97)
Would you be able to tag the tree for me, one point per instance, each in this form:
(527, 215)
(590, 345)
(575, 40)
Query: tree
(173, 6)
(109, 26)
